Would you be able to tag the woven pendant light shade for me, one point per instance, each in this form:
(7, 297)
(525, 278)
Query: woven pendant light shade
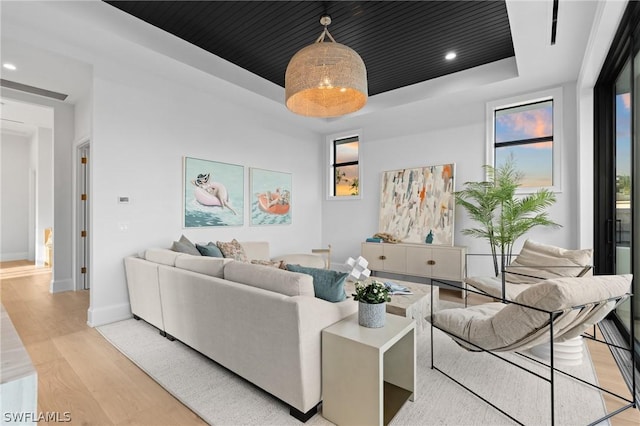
(325, 79)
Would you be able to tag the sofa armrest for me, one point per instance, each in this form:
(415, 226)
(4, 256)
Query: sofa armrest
(144, 290)
(314, 315)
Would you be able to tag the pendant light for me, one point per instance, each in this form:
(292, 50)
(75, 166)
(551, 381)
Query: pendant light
(325, 79)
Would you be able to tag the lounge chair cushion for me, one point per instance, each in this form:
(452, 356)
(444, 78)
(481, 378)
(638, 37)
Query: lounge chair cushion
(509, 327)
(493, 286)
(538, 261)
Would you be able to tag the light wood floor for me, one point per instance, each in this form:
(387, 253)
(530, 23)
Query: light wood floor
(80, 373)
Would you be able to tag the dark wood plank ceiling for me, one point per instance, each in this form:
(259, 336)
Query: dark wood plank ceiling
(401, 42)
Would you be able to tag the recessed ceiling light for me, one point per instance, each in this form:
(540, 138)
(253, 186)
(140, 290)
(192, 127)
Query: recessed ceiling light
(9, 66)
(450, 56)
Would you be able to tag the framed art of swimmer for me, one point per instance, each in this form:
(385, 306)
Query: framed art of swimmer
(213, 193)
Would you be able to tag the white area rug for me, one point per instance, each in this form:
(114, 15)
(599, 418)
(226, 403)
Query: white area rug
(222, 398)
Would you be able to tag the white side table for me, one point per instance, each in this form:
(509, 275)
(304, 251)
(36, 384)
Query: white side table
(367, 373)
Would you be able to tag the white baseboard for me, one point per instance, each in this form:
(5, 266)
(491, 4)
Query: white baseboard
(6, 257)
(61, 285)
(101, 316)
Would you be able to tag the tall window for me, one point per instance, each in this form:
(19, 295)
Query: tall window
(527, 129)
(345, 167)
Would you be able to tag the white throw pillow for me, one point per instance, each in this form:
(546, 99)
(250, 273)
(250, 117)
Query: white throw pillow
(537, 262)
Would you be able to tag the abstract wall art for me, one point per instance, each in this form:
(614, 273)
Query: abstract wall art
(417, 205)
(213, 193)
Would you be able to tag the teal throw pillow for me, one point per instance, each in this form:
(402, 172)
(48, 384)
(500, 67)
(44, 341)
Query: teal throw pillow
(210, 249)
(327, 284)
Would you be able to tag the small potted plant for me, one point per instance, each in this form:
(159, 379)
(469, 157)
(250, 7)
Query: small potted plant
(371, 299)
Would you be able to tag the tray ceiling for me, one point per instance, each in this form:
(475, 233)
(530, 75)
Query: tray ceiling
(401, 43)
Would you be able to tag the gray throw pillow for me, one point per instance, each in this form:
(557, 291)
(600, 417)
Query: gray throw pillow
(185, 246)
(327, 284)
(210, 249)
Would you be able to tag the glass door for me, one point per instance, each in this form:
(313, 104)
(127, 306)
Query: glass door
(623, 155)
(616, 162)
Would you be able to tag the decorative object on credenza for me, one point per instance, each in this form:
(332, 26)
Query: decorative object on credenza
(417, 201)
(429, 238)
(358, 268)
(503, 215)
(372, 298)
(213, 193)
(270, 197)
(385, 237)
(325, 79)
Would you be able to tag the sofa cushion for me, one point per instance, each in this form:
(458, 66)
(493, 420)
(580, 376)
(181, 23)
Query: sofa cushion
(258, 250)
(232, 250)
(537, 262)
(327, 284)
(184, 245)
(493, 286)
(210, 250)
(213, 266)
(161, 255)
(269, 278)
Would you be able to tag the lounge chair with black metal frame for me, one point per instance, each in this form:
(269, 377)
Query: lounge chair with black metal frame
(552, 311)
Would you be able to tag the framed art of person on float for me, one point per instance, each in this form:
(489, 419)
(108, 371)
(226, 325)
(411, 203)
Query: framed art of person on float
(213, 193)
(270, 197)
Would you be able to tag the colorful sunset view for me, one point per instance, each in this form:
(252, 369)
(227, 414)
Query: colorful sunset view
(347, 183)
(521, 124)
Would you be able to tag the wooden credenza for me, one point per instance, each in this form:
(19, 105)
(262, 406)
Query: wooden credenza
(420, 260)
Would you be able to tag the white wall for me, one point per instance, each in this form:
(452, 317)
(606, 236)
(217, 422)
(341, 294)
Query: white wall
(83, 117)
(143, 125)
(449, 131)
(14, 218)
(44, 189)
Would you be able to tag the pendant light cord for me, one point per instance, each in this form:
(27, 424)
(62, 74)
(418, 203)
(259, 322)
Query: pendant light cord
(325, 20)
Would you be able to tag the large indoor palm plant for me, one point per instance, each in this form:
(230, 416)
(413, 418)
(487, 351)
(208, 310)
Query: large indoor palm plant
(503, 215)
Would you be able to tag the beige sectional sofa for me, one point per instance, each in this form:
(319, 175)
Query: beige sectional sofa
(260, 322)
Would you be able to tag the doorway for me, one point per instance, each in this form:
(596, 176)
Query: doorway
(27, 193)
